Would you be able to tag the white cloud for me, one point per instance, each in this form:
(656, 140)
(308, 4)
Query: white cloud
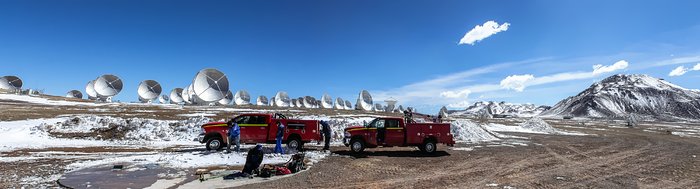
(516, 82)
(456, 94)
(461, 104)
(599, 69)
(696, 67)
(479, 33)
(520, 82)
(679, 71)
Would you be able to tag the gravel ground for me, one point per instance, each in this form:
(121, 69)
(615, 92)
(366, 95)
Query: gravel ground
(617, 158)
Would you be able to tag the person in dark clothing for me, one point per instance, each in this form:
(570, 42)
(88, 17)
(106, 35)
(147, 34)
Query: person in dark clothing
(439, 118)
(280, 135)
(253, 159)
(326, 134)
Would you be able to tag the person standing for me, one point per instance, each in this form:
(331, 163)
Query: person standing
(280, 134)
(326, 134)
(234, 136)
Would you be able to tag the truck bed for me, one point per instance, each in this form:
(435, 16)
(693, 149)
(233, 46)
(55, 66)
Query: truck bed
(417, 132)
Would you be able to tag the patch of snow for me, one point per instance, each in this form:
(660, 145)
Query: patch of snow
(39, 100)
(465, 130)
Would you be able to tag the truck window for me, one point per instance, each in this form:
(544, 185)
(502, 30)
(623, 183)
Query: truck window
(392, 123)
(242, 119)
(257, 120)
(379, 123)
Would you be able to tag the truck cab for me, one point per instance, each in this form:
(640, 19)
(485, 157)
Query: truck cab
(392, 131)
(261, 128)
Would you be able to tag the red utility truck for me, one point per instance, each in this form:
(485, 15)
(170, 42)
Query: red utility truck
(261, 128)
(425, 136)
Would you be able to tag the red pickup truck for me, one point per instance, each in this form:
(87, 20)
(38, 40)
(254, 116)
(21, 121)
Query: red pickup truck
(425, 136)
(261, 128)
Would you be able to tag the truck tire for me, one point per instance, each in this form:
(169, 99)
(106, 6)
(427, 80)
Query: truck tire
(215, 143)
(429, 146)
(295, 143)
(357, 146)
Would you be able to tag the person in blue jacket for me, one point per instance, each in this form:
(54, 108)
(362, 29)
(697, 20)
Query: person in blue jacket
(234, 136)
(280, 134)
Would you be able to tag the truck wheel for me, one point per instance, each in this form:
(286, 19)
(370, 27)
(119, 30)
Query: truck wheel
(215, 144)
(357, 146)
(429, 147)
(294, 143)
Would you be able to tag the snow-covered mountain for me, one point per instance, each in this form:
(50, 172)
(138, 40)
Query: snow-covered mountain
(502, 108)
(619, 95)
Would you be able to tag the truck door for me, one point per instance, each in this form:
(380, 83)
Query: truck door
(371, 132)
(394, 132)
(253, 128)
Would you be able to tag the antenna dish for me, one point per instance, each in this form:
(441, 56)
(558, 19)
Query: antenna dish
(339, 103)
(295, 103)
(90, 90)
(163, 99)
(149, 90)
(390, 104)
(242, 98)
(262, 101)
(282, 99)
(186, 95)
(74, 94)
(401, 108)
(176, 96)
(348, 105)
(378, 108)
(309, 102)
(364, 101)
(326, 101)
(443, 112)
(210, 85)
(300, 102)
(227, 99)
(10, 83)
(108, 85)
(272, 101)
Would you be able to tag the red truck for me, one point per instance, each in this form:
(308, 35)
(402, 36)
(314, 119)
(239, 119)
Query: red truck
(425, 136)
(262, 128)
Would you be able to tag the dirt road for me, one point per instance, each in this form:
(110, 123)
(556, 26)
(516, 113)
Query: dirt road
(615, 158)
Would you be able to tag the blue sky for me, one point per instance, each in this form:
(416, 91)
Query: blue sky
(408, 50)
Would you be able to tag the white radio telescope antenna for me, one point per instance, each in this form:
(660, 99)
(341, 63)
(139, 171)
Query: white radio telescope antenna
(364, 101)
(74, 94)
(339, 103)
(186, 95)
(378, 108)
(163, 99)
(90, 90)
(443, 112)
(10, 83)
(108, 86)
(390, 104)
(210, 85)
(309, 102)
(326, 101)
(282, 99)
(299, 102)
(272, 101)
(176, 96)
(227, 99)
(294, 103)
(242, 98)
(262, 101)
(348, 105)
(149, 90)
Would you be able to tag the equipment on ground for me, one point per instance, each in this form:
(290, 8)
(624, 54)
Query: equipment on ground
(282, 99)
(176, 96)
(163, 99)
(339, 103)
(262, 101)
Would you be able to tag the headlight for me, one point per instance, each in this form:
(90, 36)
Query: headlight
(347, 134)
(201, 130)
